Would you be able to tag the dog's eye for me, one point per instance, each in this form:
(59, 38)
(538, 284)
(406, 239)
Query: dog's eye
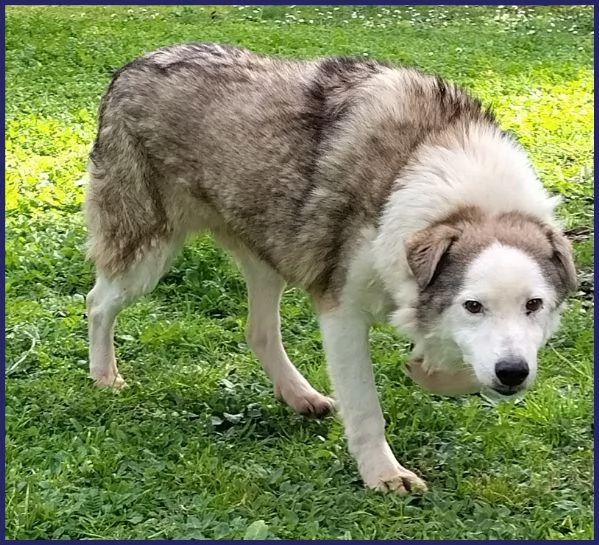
(532, 305)
(473, 307)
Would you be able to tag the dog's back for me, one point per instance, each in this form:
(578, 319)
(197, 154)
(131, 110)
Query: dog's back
(291, 158)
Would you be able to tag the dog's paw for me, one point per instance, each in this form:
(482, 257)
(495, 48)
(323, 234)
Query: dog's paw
(308, 402)
(402, 482)
(381, 471)
(110, 380)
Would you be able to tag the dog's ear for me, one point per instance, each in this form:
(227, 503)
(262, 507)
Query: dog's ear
(563, 258)
(425, 249)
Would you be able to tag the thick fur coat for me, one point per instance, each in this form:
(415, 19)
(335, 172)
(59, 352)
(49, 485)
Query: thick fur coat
(385, 193)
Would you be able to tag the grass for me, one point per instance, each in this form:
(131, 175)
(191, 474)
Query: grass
(197, 447)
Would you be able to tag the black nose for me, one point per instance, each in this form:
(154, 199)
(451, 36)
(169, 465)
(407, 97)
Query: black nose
(511, 372)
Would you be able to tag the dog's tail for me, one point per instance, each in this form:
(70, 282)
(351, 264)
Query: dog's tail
(123, 206)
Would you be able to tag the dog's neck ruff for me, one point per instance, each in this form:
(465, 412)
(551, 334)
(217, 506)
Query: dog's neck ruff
(479, 166)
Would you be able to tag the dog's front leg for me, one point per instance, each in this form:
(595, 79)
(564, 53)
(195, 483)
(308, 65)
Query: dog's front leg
(345, 338)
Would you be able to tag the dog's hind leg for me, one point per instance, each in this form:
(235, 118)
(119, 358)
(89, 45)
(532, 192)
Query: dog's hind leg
(265, 287)
(111, 294)
(136, 226)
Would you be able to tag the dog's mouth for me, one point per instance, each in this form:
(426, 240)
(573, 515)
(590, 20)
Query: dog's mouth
(496, 394)
(507, 391)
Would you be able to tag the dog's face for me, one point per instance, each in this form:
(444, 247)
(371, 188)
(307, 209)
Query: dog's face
(495, 289)
(504, 311)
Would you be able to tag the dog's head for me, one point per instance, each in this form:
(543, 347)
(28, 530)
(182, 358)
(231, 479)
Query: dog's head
(494, 288)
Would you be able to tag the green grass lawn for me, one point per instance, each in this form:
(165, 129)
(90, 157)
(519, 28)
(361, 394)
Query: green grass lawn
(197, 447)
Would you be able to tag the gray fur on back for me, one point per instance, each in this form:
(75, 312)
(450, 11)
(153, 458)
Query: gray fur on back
(269, 151)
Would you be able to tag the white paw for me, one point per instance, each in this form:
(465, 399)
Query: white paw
(400, 481)
(306, 401)
(111, 379)
(381, 471)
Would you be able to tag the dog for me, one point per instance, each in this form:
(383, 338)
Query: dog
(385, 193)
